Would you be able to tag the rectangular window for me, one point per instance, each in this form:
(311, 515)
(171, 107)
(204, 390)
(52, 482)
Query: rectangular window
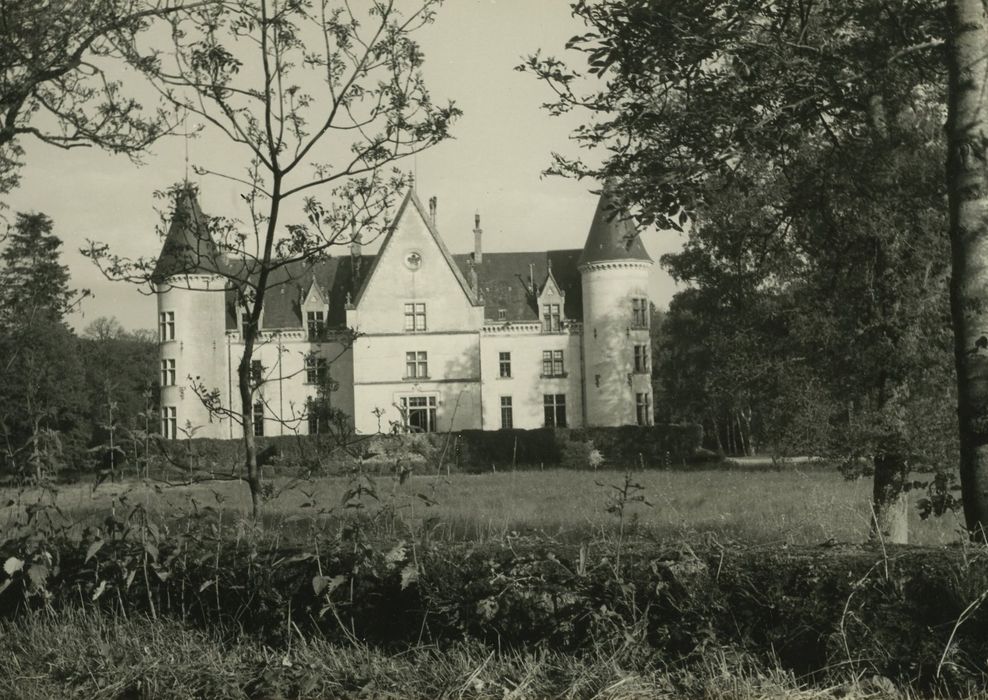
(168, 373)
(416, 365)
(555, 410)
(420, 413)
(316, 323)
(169, 422)
(639, 312)
(256, 372)
(166, 325)
(504, 364)
(552, 363)
(258, 416)
(643, 406)
(641, 359)
(415, 317)
(317, 421)
(550, 318)
(315, 370)
(502, 314)
(507, 413)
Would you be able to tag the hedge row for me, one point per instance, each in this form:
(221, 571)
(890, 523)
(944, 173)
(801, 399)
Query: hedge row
(465, 450)
(909, 615)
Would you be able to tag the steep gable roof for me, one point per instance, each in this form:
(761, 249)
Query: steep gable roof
(411, 197)
(612, 235)
(188, 248)
(550, 286)
(315, 295)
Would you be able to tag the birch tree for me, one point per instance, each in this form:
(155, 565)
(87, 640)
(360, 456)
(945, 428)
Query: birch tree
(967, 178)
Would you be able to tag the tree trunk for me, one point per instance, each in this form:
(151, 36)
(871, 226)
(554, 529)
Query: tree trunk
(967, 186)
(247, 414)
(728, 441)
(890, 502)
(35, 447)
(746, 416)
(716, 432)
(742, 436)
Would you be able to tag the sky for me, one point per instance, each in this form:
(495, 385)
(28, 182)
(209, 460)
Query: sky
(493, 165)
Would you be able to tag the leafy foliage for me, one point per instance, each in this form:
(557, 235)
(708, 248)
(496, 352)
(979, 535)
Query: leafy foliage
(55, 81)
(802, 143)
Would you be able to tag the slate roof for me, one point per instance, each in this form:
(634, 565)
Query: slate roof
(288, 285)
(612, 235)
(503, 279)
(188, 248)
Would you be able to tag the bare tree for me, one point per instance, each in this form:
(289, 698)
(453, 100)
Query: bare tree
(322, 99)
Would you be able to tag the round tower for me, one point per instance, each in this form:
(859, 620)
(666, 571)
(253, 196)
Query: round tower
(191, 322)
(614, 270)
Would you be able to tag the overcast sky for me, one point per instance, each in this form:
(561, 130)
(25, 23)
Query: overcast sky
(492, 166)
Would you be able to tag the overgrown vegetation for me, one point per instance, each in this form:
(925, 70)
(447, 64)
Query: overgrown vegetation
(372, 581)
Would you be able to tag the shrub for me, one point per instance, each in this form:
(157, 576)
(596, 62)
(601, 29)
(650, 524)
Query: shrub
(465, 450)
(909, 614)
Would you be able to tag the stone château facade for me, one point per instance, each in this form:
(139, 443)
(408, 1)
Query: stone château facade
(478, 340)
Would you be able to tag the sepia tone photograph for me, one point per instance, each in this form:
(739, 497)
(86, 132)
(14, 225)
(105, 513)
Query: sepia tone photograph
(496, 349)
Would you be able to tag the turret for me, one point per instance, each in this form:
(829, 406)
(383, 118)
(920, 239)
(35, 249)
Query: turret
(614, 269)
(191, 320)
(189, 248)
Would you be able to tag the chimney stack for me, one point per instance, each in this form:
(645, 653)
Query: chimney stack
(474, 281)
(432, 209)
(478, 251)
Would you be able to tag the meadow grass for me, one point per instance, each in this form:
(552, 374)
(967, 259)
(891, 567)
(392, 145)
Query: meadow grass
(91, 654)
(795, 506)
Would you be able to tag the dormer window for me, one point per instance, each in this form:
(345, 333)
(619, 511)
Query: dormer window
(316, 323)
(551, 300)
(551, 319)
(315, 309)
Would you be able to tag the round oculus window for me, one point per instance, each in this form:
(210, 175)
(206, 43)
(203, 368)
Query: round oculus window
(413, 260)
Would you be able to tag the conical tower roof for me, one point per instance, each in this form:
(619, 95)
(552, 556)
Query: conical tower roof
(612, 235)
(189, 248)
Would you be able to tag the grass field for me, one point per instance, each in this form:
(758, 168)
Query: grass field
(793, 506)
(92, 652)
(89, 655)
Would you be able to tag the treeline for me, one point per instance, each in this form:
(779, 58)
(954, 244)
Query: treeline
(816, 320)
(66, 401)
